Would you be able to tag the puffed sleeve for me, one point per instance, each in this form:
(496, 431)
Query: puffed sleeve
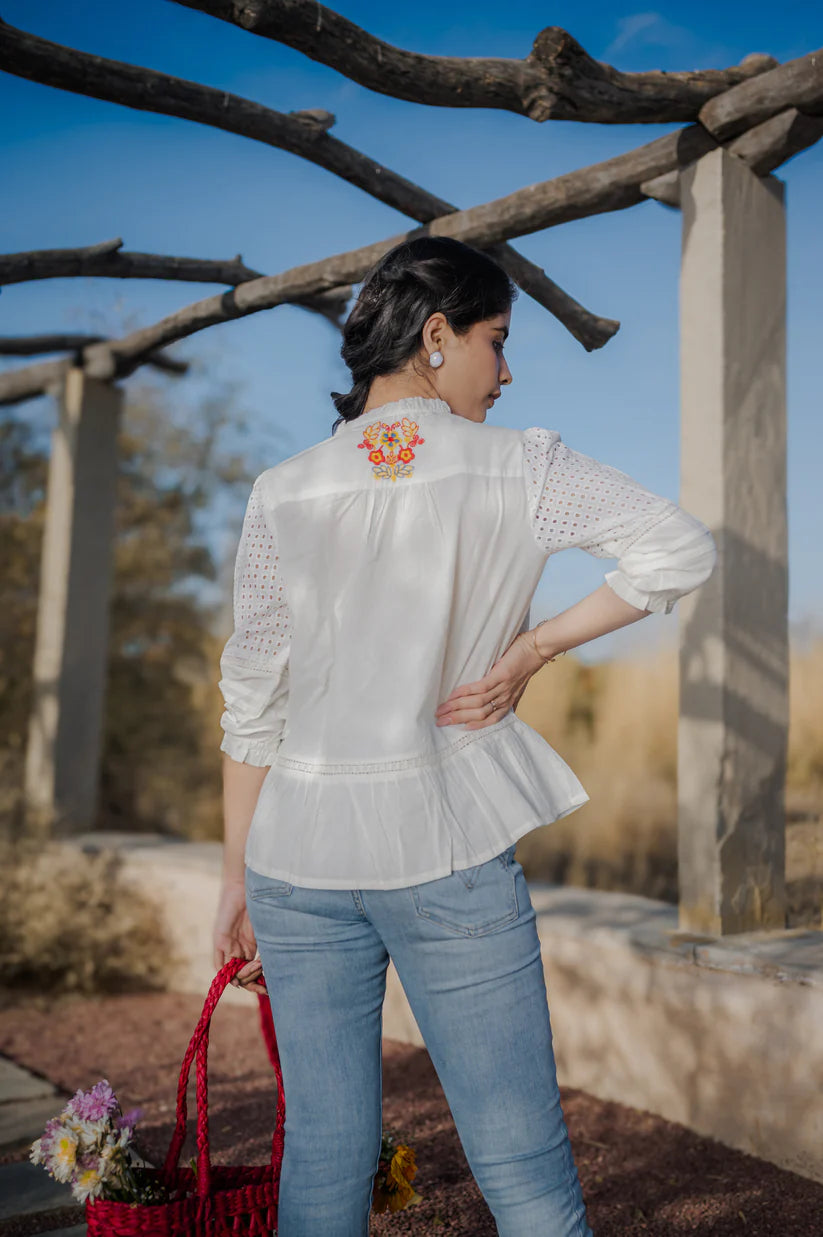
(663, 552)
(255, 659)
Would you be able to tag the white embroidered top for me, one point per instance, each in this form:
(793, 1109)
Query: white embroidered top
(376, 571)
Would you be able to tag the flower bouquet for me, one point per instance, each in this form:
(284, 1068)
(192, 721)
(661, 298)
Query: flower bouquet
(90, 1145)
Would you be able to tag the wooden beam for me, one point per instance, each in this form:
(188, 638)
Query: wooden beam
(40, 345)
(18, 385)
(763, 148)
(558, 80)
(104, 261)
(797, 83)
(31, 381)
(772, 143)
(107, 261)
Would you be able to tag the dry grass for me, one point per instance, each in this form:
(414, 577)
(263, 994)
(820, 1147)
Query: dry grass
(68, 923)
(615, 723)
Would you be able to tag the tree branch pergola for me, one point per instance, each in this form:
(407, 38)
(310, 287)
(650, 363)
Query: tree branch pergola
(614, 184)
(558, 80)
(301, 133)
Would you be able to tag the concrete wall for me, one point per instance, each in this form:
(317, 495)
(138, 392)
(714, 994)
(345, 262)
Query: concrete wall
(722, 1034)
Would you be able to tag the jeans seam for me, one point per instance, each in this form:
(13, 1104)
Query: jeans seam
(573, 1193)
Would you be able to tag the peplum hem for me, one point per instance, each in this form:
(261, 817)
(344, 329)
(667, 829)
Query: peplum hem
(393, 829)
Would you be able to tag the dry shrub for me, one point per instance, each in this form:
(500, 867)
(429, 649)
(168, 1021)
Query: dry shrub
(69, 923)
(615, 723)
(805, 760)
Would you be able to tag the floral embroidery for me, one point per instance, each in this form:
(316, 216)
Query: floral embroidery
(390, 448)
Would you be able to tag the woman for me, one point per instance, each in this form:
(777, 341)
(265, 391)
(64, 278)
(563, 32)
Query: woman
(376, 776)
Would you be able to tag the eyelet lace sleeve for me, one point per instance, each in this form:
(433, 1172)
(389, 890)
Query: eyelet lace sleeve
(254, 662)
(663, 552)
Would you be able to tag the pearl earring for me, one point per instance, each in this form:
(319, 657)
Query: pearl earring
(435, 359)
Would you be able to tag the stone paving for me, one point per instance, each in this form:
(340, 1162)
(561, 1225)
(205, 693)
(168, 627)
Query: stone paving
(26, 1103)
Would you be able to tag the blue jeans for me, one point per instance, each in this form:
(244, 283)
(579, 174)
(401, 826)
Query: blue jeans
(466, 950)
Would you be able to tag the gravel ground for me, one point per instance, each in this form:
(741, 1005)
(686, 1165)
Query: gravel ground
(640, 1174)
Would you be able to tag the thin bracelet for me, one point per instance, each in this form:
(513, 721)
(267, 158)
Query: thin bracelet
(545, 660)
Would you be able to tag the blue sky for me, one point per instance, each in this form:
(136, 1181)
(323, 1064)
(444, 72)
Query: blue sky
(76, 171)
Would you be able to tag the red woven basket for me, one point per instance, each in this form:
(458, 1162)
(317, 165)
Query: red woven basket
(218, 1201)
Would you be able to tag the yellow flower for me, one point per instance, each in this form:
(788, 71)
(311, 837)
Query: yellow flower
(397, 1194)
(403, 1168)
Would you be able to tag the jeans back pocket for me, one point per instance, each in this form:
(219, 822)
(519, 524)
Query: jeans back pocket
(260, 888)
(471, 901)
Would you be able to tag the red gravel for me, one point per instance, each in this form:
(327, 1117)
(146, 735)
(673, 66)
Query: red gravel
(640, 1174)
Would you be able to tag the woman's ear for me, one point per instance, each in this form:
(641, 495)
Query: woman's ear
(433, 331)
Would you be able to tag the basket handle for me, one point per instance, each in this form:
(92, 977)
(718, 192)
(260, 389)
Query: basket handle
(198, 1047)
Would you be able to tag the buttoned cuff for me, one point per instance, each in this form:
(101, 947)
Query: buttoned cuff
(659, 603)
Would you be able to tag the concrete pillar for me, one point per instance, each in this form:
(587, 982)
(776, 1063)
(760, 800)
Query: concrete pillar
(63, 754)
(734, 653)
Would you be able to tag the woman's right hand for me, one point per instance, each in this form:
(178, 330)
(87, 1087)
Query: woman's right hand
(504, 684)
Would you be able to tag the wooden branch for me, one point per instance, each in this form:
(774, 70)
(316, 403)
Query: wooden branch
(75, 342)
(797, 83)
(558, 80)
(612, 185)
(665, 188)
(589, 329)
(332, 305)
(105, 260)
(31, 381)
(146, 90)
(302, 133)
(17, 385)
(767, 146)
(37, 345)
(763, 148)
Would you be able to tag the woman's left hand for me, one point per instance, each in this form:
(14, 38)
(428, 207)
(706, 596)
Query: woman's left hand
(233, 937)
(503, 686)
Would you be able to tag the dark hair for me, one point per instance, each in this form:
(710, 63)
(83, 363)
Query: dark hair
(398, 295)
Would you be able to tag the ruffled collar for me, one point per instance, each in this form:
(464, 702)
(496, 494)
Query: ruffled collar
(410, 406)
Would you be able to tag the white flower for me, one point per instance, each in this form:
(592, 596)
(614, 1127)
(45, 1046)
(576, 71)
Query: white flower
(88, 1183)
(88, 1133)
(116, 1143)
(64, 1156)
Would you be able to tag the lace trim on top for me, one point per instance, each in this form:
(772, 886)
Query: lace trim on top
(392, 766)
(575, 500)
(262, 619)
